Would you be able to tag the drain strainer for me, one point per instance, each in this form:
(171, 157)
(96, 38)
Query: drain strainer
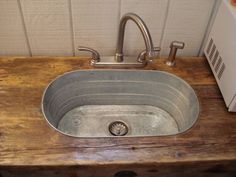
(118, 128)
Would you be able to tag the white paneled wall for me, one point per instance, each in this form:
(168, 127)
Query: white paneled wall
(57, 27)
(153, 13)
(187, 21)
(95, 24)
(48, 26)
(12, 37)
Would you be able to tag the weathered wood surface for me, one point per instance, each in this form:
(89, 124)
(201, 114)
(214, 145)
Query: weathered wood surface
(26, 140)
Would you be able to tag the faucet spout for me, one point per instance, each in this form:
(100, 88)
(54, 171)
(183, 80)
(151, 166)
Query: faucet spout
(150, 53)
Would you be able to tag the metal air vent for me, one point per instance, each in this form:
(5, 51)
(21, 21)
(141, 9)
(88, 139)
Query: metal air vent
(215, 59)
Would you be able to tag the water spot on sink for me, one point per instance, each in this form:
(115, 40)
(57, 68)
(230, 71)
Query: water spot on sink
(76, 122)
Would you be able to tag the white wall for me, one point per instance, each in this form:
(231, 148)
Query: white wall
(57, 27)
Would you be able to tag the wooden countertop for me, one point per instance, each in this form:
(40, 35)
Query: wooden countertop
(27, 140)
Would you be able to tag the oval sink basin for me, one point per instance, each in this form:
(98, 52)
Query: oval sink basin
(104, 103)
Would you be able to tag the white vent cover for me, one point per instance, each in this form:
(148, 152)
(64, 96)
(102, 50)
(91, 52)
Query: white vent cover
(220, 52)
(215, 60)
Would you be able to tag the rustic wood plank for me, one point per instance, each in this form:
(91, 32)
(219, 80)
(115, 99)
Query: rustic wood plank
(208, 169)
(28, 141)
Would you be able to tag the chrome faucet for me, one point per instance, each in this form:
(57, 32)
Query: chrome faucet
(119, 60)
(150, 53)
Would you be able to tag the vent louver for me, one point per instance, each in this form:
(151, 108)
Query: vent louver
(215, 59)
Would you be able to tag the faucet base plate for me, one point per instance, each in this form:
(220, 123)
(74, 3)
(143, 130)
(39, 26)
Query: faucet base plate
(129, 62)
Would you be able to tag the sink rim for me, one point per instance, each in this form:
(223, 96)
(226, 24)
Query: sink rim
(127, 70)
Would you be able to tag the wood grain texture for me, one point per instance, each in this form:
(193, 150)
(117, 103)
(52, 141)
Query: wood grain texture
(196, 169)
(48, 27)
(12, 36)
(30, 147)
(187, 21)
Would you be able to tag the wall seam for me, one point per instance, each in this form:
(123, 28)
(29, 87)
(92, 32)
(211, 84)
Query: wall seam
(24, 28)
(72, 34)
(164, 26)
(119, 12)
(208, 27)
(118, 19)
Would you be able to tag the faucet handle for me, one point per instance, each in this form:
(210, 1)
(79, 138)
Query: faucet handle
(142, 55)
(95, 54)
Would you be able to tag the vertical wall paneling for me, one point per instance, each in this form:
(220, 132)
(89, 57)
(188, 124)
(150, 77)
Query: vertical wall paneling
(95, 24)
(153, 13)
(12, 35)
(58, 27)
(48, 27)
(71, 28)
(24, 27)
(209, 26)
(187, 21)
(164, 26)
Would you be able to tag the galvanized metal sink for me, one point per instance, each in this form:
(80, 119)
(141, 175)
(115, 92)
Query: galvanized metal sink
(104, 103)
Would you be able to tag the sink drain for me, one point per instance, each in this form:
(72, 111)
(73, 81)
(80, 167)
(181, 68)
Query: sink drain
(118, 128)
